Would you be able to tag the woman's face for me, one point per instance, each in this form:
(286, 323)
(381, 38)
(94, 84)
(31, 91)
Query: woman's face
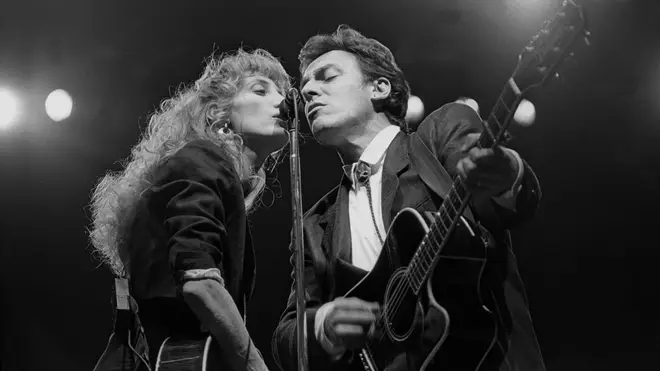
(254, 115)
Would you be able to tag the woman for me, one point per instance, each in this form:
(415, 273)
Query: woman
(173, 222)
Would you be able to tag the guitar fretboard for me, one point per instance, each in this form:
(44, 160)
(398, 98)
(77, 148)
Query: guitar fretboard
(458, 197)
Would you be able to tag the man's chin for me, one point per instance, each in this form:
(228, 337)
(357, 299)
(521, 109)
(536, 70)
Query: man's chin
(319, 130)
(325, 136)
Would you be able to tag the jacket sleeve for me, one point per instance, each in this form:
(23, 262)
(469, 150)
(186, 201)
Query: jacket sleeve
(285, 338)
(446, 130)
(196, 191)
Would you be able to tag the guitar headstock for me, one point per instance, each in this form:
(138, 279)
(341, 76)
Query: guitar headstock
(551, 46)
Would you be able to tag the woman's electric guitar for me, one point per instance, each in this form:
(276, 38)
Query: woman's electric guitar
(449, 249)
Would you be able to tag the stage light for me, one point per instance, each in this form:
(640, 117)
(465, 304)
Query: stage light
(8, 108)
(525, 113)
(59, 105)
(415, 110)
(528, 6)
(524, 116)
(469, 102)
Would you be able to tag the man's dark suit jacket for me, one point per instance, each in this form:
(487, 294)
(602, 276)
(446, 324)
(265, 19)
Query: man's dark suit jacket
(327, 240)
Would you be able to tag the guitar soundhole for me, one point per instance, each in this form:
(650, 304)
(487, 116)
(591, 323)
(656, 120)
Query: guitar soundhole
(400, 307)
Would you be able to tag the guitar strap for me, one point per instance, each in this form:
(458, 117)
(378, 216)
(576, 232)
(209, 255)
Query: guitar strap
(127, 347)
(431, 171)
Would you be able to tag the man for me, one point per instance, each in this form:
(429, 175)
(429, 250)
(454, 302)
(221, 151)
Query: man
(356, 100)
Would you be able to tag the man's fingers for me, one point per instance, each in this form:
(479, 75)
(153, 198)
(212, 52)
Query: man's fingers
(348, 330)
(464, 167)
(355, 303)
(470, 141)
(479, 154)
(351, 336)
(353, 317)
(488, 160)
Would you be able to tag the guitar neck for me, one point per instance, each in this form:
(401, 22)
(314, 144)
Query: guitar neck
(458, 197)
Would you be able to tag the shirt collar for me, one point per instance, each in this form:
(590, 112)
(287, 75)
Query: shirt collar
(375, 151)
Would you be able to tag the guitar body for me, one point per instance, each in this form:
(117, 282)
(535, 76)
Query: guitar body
(189, 354)
(446, 325)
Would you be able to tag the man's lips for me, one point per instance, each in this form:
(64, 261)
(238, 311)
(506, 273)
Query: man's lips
(312, 113)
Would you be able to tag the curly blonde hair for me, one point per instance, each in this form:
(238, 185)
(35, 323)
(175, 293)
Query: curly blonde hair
(194, 112)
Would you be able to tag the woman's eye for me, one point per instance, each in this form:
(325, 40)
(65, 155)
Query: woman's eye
(259, 89)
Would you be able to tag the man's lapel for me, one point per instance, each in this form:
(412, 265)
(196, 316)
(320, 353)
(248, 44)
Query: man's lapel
(396, 162)
(335, 221)
(335, 224)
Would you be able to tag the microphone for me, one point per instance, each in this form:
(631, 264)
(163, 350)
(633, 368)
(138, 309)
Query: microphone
(287, 106)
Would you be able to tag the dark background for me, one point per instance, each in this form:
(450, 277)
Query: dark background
(589, 258)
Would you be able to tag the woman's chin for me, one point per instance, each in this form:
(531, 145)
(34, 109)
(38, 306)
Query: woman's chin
(281, 124)
(280, 132)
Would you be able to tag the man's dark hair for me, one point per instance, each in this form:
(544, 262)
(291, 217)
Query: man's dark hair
(375, 60)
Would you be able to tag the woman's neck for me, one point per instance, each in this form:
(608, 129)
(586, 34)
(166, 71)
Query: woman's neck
(254, 158)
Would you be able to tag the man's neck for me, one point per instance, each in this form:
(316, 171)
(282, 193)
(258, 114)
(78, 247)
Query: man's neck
(357, 141)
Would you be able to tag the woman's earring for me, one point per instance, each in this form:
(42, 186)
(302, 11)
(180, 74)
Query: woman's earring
(225, 129)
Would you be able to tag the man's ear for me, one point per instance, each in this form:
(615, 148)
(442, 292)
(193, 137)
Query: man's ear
(381, 89)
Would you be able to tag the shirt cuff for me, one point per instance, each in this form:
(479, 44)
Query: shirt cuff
(335, 352)
(203, 274)
(508, 199)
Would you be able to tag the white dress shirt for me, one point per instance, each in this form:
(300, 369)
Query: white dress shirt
(365, 243)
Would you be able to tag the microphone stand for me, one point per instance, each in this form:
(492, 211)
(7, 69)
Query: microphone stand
(296, 206)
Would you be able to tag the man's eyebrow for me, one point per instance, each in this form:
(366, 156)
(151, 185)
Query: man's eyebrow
(318, 71)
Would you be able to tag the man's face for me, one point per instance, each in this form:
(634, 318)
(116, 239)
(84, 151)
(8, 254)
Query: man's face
(337, 98)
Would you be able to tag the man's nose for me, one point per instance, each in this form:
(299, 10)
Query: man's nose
(309, 91)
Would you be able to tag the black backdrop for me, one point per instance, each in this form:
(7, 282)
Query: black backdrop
(588, 259)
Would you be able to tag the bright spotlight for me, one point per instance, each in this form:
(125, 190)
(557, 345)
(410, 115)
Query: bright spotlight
(415, 109)
(8, 109)
(525, 113)
(59, 105)
(527, 6)
(469, 102)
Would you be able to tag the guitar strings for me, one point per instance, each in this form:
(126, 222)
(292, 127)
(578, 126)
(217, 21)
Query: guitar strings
(401, 290)
(407, 284)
